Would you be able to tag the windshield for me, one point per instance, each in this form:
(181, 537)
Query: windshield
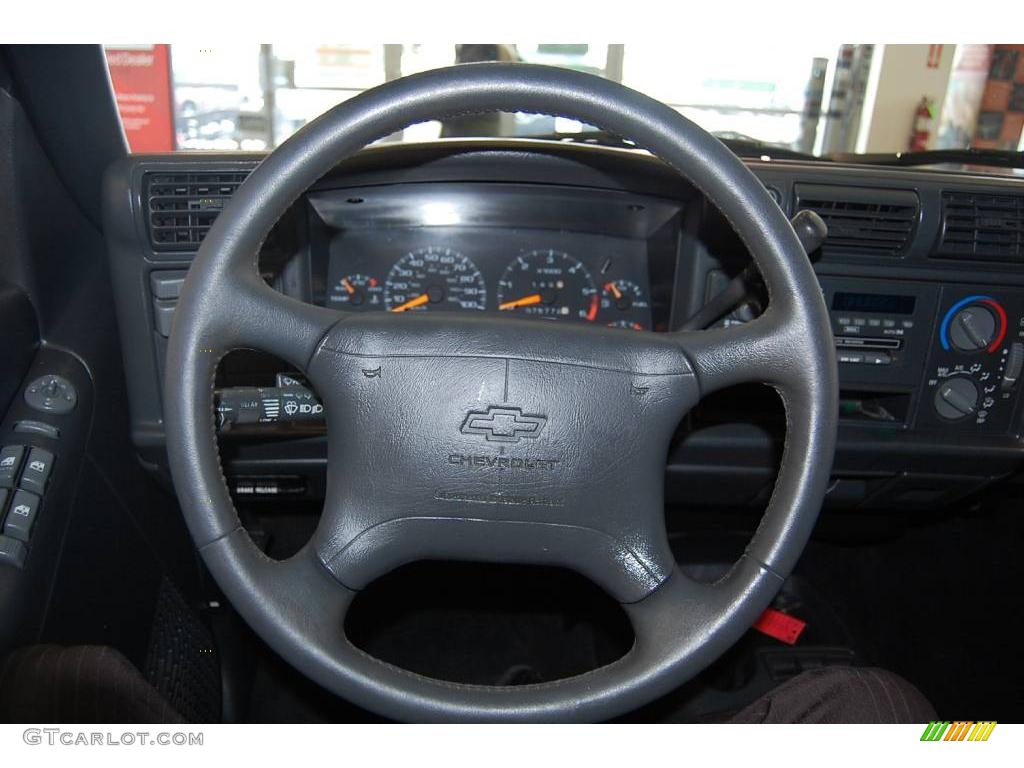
(817, 98)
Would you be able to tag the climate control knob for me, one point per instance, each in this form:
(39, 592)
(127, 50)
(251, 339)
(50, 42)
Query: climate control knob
(972, 328)
(957, 398)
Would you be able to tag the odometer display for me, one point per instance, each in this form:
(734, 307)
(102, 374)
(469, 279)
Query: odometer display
(434, 278)
(548, 283)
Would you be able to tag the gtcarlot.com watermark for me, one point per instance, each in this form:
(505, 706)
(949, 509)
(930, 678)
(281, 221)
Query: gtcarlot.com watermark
(55, 737)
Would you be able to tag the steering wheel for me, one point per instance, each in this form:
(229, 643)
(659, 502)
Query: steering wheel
(477, 437)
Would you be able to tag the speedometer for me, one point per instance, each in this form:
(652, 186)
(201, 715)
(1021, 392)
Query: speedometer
(550, 284)
(434, 278)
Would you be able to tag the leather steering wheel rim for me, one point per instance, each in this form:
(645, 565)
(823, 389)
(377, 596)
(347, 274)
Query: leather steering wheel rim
(564, 512)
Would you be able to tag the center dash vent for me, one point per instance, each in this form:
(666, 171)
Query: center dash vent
(181, 206)
(984, 227)
(862, 221)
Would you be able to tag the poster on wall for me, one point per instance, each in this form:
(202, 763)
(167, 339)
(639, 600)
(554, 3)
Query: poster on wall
(1001, 120)
(141, 76)
(959, 120)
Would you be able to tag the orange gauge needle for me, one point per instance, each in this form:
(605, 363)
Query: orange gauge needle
(525, 301)
(419, 301)
(347, 285)
(614, 290)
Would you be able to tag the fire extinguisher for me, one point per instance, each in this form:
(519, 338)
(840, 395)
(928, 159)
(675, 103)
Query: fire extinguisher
(924, 121)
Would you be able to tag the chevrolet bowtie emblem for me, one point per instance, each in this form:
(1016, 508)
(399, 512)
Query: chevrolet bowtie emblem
(503, 425)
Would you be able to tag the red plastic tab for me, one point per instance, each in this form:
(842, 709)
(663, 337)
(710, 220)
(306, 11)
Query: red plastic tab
(780, 625)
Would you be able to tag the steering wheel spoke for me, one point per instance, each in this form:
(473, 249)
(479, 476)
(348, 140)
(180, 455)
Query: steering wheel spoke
(766, 350)
(676, 620)
(258, 317)
(297, 592)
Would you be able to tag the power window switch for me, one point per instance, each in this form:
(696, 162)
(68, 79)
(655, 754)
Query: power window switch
(36, 473)
(10, 463)
(12, 552)
(21, 516)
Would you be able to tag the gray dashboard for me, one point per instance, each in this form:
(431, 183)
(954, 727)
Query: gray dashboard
(927, 295)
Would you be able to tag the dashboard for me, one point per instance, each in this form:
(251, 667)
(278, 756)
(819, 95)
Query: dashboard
(923, 274)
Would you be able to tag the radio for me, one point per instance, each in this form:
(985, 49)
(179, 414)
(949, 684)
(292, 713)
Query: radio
(870, 328)
(880, 324)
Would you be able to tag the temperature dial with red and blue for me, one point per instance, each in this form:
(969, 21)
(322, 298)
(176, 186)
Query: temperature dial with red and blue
(973, 324)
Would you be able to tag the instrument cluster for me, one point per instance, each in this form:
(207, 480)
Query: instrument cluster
(542, 274)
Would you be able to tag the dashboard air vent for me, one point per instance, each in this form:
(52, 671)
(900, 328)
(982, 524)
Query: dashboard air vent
(181, 206)
(862, 221)
(984, 227)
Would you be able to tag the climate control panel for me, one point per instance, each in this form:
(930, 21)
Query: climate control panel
(975, 366)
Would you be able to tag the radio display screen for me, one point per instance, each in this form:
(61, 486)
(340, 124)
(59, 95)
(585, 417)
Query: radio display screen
(873, 302)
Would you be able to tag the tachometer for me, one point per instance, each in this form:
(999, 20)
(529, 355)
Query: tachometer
(434, 278)
(550, 284)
